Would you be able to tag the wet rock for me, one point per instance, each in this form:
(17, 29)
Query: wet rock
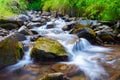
(54, 76)
(109, 23)
(69, 25)
(103, 28)
(50, 25)
(9, 26)
(24, 30)
(19, 36)
(10, 22)
(70, 19)
(90, 23)
(23, 17)
(10, 51)
(106, 36)
(65, 28)
(34, 24)
(84, 32)
(67, 69)
(47, 18)
(36, 19)
(34, 32)
(35, 37)
(3, 32)
(48, 49)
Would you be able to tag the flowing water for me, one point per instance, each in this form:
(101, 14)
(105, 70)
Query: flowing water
(26, 58)
(82, 51)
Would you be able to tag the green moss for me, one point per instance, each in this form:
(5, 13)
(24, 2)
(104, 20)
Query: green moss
(18, 50)
(78, 27)
(49, 45)
(10, 46)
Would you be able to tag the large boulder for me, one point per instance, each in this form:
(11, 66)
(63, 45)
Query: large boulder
(84, 32)
(10, 24)
(10, 51)
(48, 49)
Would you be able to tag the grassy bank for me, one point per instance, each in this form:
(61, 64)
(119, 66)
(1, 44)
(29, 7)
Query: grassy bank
(11, 7)
(106, 10)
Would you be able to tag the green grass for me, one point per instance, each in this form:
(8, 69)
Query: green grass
(11, 7)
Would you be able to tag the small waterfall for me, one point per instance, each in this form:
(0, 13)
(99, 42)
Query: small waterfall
(81, 45)
(84, 54)
(26, 58)
(83, 51)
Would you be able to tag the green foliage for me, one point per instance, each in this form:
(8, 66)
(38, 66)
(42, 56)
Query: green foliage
(10, 7)
(93, 9)
(57, 5)
(35, 4)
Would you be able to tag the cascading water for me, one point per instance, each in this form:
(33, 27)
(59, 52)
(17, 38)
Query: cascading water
(26, 58)
(83, 52)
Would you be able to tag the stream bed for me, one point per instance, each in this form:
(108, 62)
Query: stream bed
(86, 61)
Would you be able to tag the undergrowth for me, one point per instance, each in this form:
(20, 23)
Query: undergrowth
(106, 10)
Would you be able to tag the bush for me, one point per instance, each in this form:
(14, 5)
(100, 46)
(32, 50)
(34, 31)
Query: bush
(11, 7)
(93, 9)
(106, 10)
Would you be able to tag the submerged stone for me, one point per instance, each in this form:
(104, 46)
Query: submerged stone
(67, 69)
(46, 48)
(54, 76)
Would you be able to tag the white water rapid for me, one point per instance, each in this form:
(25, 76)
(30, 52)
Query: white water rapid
(83, 52)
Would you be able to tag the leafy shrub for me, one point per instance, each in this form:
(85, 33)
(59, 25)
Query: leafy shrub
(10, 7)
(93, 9)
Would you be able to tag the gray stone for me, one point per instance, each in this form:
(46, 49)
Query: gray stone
(24, 30)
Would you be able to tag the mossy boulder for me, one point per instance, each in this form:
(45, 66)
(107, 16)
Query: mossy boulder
(10, 24)
(84, 32)
(46, 48)
(10, 51)
(54, 76)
